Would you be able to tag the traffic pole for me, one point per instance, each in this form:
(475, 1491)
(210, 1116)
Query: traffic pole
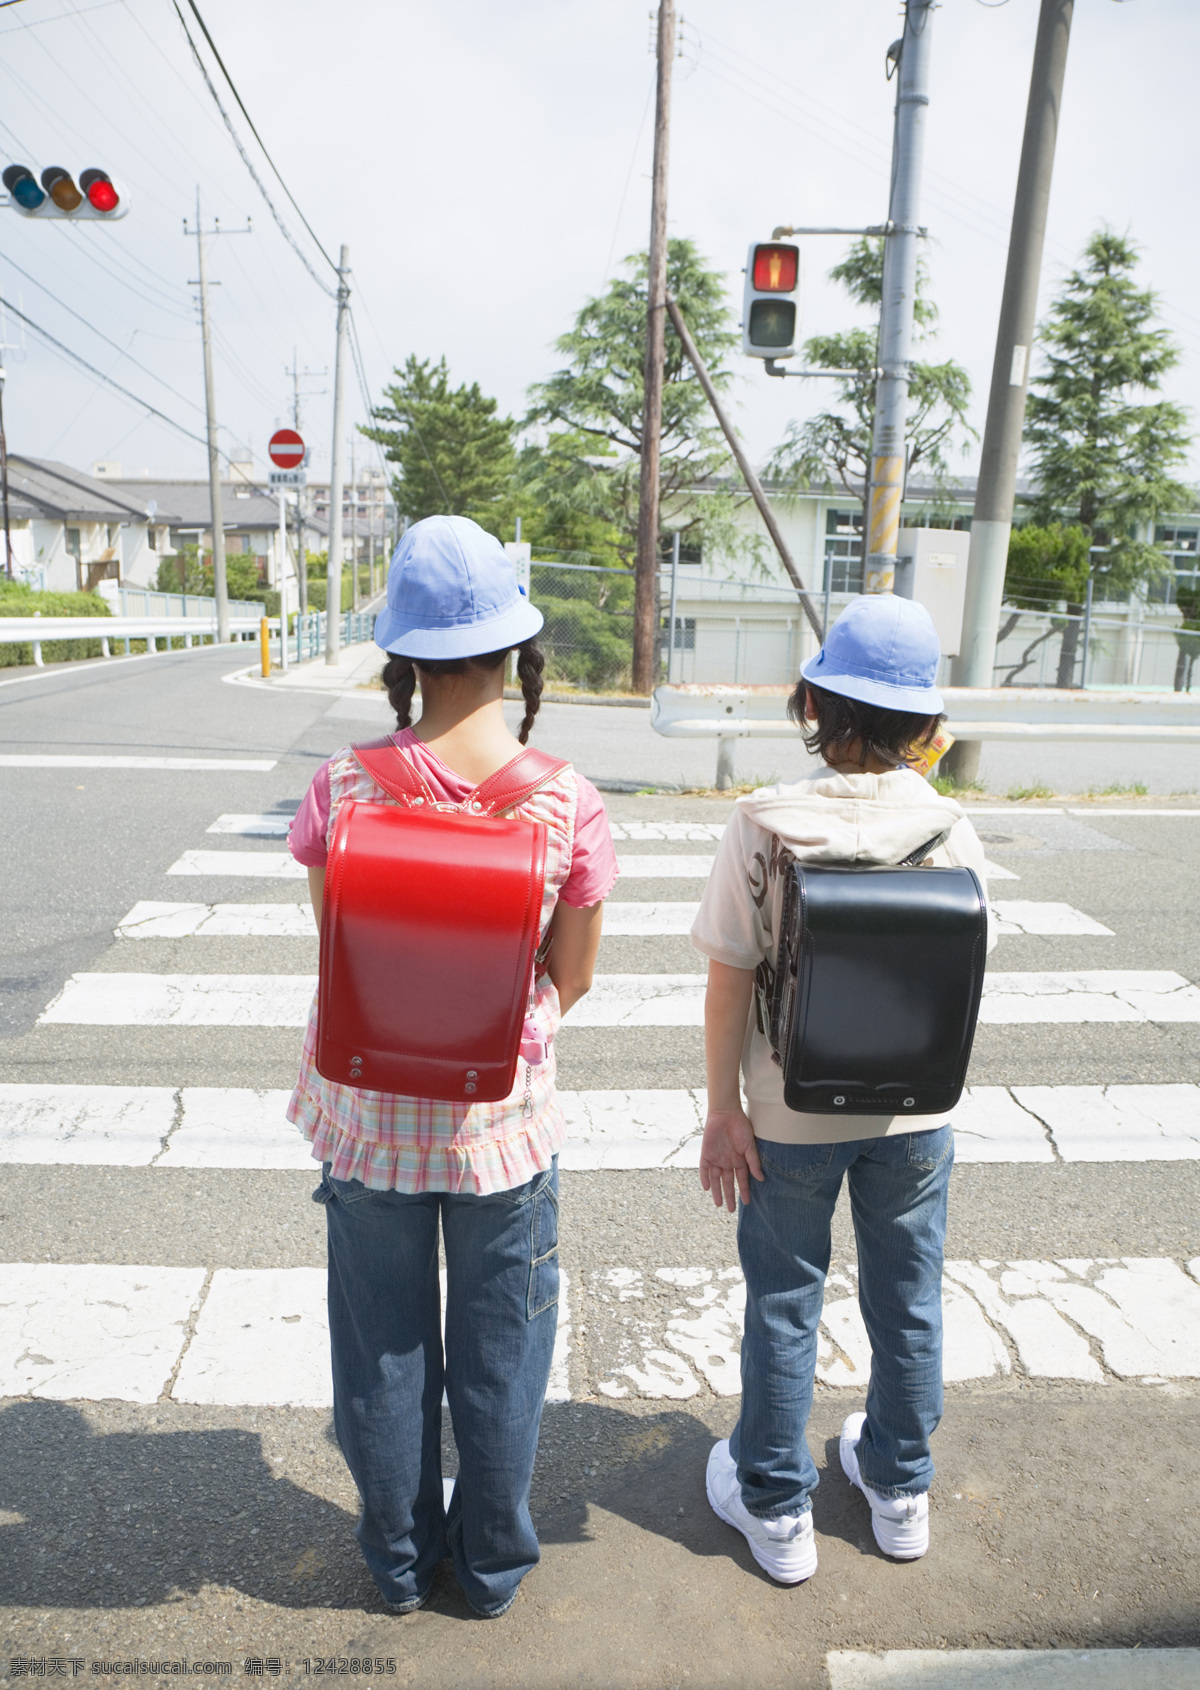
(886, 486)
(216, 514)
(997, 486)
(8, 557)
(645, 600)
(333, 574)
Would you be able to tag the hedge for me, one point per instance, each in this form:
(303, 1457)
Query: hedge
(18, 600)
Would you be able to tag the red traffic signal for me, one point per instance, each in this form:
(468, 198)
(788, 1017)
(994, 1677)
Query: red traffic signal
(94, 198)
(776, 268)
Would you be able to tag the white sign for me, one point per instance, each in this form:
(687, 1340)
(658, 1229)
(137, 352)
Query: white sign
(519, 554)
(287, 478)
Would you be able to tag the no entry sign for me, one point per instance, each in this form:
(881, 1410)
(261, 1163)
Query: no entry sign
(286, 448)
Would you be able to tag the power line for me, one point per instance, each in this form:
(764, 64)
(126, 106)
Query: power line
(241, 105)
(90, 325)
(236, 138)
(100, 375)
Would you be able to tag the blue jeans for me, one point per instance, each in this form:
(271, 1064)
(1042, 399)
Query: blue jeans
(898, 1189)
(389, 1374)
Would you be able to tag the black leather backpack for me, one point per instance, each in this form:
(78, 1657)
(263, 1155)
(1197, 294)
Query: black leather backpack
(872, 1003)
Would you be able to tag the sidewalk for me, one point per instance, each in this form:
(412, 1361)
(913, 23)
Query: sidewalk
(356, 666)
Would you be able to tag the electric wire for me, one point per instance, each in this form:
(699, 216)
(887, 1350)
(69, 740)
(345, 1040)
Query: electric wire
(106, 379)
(241, 105)
(245, 156)
(88, 324)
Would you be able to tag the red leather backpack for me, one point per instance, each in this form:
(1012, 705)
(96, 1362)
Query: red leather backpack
(428, 932)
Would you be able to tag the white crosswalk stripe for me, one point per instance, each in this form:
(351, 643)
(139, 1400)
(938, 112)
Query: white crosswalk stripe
(250, 1336)
(615, 1000)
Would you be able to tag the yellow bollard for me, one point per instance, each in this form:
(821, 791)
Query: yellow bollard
(264, 641)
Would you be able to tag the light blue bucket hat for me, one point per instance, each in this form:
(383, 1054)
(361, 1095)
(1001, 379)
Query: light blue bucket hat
(881, 650)
(452, 592)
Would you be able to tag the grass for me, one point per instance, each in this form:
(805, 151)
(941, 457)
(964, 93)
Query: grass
(1018, 794)
(949, 786)
(1119, 789)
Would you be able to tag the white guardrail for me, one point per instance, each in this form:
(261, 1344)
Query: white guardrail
(32, 630)
(727, 713)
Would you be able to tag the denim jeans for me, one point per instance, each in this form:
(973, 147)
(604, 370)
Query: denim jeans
(389, 1373)
(898, 1188)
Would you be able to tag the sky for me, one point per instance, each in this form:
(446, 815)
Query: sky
(488, 167)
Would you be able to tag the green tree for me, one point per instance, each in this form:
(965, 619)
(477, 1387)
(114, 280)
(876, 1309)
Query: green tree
(187, 572)
(454, 454)
(834, 447)
(1045, 565)
(1100, 454)
(585, 479)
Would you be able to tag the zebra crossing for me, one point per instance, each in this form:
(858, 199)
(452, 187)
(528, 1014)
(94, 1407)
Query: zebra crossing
(654, 1328)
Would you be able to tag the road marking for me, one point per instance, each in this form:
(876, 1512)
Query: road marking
(1093, 812)
(970, 810)
(1014, 1669)
(239, 1127)
(680, 832)
(664, 867)
(615, 1000)
(252, 827)
(262, 865)
(1020, 916)
(93, 1331)
(623, 921)
(21, 760)
(220, 921)
(671, 1332)
(993, 871)
(261, 1335)
(1099, 994)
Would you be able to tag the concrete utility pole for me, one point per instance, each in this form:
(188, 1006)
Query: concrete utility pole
(353, 528)
(899, 294)
(997, 486)
(217, 515)
(333, 576)
(645, 602)
(8, 557)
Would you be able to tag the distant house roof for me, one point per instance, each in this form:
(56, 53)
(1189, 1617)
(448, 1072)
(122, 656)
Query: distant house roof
(186, 504)
(39, 487)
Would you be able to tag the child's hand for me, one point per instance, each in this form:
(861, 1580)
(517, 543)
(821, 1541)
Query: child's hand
(728, 1154)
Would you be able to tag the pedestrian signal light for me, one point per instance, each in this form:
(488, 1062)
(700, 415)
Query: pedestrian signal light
(769, 317)
(94, 198)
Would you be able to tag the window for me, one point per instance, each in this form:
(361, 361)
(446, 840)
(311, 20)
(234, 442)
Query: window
(1182, 546)
(690, 552)
(73, 546)
(685, 633)
(843, 551)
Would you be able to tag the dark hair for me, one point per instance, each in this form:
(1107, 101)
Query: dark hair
(885, 734)
(400, 679)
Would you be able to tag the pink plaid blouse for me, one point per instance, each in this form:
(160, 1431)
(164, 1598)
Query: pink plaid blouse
(415, 1144)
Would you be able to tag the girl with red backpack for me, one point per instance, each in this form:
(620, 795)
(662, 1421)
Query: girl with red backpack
(394, 1167)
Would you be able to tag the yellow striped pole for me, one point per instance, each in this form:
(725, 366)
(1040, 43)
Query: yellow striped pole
(883, 524)
(264, 646)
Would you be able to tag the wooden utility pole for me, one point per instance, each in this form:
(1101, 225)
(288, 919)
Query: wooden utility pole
(645, 603)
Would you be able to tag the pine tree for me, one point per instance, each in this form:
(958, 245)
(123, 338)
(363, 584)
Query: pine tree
(454, 454)
(588, 473)
(835, 446)
(1101, 458)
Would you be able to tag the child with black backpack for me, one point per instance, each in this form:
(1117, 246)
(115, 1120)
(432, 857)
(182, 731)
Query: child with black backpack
(871, 700)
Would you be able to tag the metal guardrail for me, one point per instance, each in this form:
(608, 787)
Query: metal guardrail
(307, 639)
(698, 711)
(149, 601)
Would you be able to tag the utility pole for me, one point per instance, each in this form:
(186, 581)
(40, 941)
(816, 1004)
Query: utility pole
(996, 489)
(216, 514)
(299, 375)
(645, 602)
(899, 293)
(353, 528)
(8, 558)
(333, 576)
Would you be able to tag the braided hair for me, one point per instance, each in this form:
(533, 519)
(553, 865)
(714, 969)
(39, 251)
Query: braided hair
(400, 679)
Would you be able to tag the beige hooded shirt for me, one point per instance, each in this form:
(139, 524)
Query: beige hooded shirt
(824, 818)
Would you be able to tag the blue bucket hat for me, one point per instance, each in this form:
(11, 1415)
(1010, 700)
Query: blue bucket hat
(881, 650)
(452, 592)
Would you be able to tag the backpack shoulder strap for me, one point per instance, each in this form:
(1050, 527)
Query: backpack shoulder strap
(914, 858)
(389, 768)
(515, 782)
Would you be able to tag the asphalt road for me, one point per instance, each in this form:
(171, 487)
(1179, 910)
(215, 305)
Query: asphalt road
(1063, 1514)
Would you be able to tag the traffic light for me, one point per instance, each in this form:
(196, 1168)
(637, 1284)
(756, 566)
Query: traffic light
(94, 199)
(769, 314)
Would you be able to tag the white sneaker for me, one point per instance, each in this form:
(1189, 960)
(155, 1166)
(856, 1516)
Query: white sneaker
(900, 1523)
(784, 1547)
